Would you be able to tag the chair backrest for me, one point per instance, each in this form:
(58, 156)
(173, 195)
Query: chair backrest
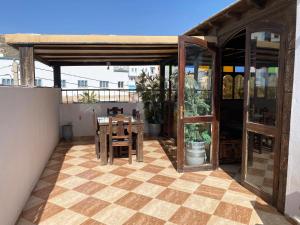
(117, 126)
(95, 121)
(114, 111)
(136, 114)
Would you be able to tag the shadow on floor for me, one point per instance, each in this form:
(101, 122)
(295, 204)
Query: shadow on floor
(45, 188)
(169, 147)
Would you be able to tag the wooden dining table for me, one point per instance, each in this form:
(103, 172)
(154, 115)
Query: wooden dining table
(137, 126)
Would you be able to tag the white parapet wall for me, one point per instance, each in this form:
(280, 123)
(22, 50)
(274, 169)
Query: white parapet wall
(292, 206)
(29, 132)
(82, 118)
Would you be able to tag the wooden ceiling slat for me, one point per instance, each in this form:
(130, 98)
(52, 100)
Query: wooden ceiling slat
(132, 63)
(120, 46)
(39, 51)
(104, 57)
(104, 60)
(100, 54)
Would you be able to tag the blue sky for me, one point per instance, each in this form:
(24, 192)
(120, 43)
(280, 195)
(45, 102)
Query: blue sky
(140, 17)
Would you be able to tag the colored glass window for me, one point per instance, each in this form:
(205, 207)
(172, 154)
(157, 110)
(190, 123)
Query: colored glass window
(227, 87)
(273, 70)
(228, 69)
(238, 87)
(203, 68)
(239, 69)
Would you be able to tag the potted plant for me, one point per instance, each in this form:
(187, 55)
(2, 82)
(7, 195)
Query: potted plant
(197, 136)
(198, 139)
(148, 88)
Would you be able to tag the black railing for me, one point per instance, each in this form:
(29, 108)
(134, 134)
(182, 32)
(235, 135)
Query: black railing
(70, 96)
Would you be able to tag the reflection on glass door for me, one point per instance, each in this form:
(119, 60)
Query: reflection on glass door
(196, 103)
(260, 161)
(264, 73)
(262, 125)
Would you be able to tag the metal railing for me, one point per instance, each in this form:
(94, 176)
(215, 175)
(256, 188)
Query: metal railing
(70, 96)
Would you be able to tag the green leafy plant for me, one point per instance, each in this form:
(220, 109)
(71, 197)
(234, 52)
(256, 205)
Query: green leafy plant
(197, 133)
(88, 97)
(148, 88)
(196, 102)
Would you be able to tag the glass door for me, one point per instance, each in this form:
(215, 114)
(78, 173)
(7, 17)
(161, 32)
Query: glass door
(261, 139)
(196, 128)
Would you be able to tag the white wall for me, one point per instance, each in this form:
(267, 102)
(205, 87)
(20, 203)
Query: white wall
(95, 74)
(29, 132)
(81, 115)
(292, 206)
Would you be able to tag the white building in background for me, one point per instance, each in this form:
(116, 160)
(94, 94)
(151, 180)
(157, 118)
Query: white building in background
(82, 77)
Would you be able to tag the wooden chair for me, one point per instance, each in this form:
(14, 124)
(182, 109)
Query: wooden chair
(96, 129)
(118, 137)
(114, 111)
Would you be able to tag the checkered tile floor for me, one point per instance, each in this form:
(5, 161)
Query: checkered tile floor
(75, 189)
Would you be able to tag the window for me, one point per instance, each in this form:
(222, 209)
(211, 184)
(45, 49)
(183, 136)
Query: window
(103, 84)
(82, 83)
(228, 69)
(63, 83)
(272, 84)
(233, 82)
(7, 82)
(38, 82)
(238, 87)
(227, 87)
(264, 70)
(120, 84)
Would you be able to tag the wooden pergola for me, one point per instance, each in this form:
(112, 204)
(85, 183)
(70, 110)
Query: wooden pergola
(80, 50)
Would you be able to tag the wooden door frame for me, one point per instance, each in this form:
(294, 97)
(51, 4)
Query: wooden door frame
(212, 119)
(259, 128)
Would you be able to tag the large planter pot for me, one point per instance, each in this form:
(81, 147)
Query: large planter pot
(154, 129)
(195, 154)
(67, 132)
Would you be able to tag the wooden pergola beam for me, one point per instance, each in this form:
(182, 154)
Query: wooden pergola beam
(86, 63)
(162, 78)
(103, 47)
(235, 15)
(259, 4)
(102, 54)
(108, 57)
(57, 76)
(14, 39)
(27, 69)
(107, 51)
(105, 60)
